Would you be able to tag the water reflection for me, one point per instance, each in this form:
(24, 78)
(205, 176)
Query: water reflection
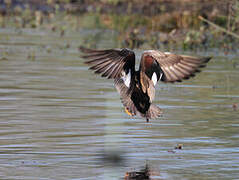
(145, 173)
(58, 120)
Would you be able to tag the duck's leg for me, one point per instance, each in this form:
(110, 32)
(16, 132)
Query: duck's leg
(127, 112)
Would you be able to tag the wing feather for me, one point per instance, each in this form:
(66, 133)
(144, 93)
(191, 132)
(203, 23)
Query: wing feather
(178, 67)
(110, 70)
(111, 62)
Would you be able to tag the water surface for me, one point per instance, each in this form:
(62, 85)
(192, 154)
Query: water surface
(58, 120)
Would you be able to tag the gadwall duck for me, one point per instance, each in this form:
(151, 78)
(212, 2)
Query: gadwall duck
(137, 88)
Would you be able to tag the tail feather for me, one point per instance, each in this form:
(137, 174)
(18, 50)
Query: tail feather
(153, 112)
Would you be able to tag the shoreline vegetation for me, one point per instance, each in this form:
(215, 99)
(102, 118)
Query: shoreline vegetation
(171, 24)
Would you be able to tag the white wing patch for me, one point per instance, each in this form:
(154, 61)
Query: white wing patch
(161, 75)
(154, 78)
(127, 78)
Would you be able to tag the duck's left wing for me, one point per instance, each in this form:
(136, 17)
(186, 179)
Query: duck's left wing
(110, 63)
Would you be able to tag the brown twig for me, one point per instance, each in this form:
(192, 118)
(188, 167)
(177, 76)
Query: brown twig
(219, 27)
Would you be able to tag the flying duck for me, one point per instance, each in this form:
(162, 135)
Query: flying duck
(137, 88)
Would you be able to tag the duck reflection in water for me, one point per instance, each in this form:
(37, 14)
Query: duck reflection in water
(145, 173)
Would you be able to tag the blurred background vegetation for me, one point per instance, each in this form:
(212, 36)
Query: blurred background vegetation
(184, 24)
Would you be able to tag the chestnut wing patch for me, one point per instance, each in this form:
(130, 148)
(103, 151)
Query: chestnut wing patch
(148, 61)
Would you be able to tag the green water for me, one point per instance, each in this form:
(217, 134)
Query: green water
(57, 118)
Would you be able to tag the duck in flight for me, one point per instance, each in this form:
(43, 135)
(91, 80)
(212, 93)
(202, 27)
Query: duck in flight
(137, 88)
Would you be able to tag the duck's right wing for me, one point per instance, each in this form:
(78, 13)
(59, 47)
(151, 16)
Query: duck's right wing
(179, 67)
(176, 67)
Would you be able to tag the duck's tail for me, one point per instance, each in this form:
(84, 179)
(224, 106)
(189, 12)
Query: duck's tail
(153, 112)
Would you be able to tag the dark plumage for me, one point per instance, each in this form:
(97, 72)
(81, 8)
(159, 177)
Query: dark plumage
(137, 88)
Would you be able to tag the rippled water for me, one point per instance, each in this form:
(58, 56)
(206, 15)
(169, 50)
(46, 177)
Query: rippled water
(60, 121)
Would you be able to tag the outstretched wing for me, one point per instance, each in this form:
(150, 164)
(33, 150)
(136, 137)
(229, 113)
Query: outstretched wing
(111, 63)
(178, 67)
